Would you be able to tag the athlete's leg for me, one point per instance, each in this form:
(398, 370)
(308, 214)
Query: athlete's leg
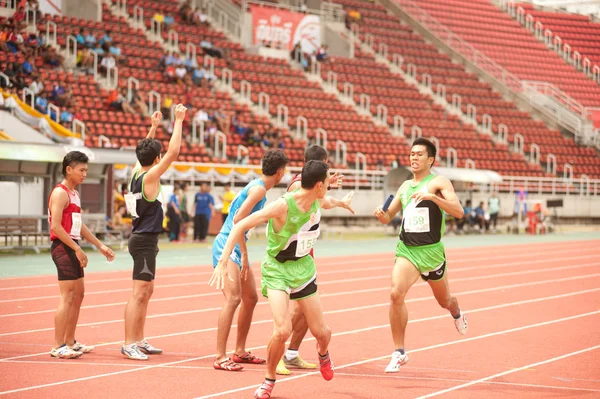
(232, 293)
(135, 311)
(299, 325)
(249, 300)
(68, 292)
(69, 337)
(279, 301)
(404, 275)
(312, 310)
(441, 291)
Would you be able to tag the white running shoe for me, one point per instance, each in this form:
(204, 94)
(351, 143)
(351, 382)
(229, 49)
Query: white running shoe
(144, 346)
(461, 324)
(133, 352)
(64, 352)
(79, 347)
(398, 360)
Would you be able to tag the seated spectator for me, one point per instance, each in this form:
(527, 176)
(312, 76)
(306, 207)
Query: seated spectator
(37, 86)
(118, 101)
(80, 38)
(51, 56)
(18, 19)
(200, 17)
(4, 31)
(61, 96)
(480, 218)
(180, 73)
(322, 55)
(15, 41)
(169, 21)
(139, 103)
(115, 51)
(28, 67)
(107, 62)
(85, 58)
(90, 40)
(185, 12)
(41, 104)
(66, 118)
(106, 39)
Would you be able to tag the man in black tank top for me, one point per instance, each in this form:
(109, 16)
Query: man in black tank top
(144, 205)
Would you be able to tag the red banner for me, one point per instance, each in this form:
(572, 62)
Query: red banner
(283, 29)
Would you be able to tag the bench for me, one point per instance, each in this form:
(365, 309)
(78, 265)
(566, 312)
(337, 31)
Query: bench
(23, 228)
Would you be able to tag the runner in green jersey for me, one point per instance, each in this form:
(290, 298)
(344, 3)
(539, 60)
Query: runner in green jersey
(288, 270)
(420, 252)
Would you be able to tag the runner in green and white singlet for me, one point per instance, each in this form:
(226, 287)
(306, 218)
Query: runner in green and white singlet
(288, 270)
(420, 253)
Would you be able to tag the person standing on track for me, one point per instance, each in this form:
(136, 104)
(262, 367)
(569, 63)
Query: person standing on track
(144, 205)
(288, 270)
(291, 358)
(420, 252)
(241, 286)
(66, 229)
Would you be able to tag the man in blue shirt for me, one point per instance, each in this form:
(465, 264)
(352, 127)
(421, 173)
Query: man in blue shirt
(174, 214)
(204, 209)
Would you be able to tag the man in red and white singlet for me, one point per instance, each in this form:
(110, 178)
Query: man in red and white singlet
(291, 358)
(66, 229)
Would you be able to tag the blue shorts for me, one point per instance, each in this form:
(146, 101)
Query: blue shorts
(217, 251)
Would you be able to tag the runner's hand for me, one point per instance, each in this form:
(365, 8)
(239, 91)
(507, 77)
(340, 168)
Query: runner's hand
(418, 197)
(346, 201)
(156, 118)
(245, 267)
(218, 277)
(336, 180)
(81, 257)
(106, 251)
(381, 215)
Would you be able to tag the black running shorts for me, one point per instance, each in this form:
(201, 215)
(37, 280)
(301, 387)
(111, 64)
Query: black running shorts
(67, 264)
(143, 248)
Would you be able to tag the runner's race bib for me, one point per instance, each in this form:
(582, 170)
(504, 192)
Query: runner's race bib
(76, 225)
(130, 202)
(416, 220)
(306, 241)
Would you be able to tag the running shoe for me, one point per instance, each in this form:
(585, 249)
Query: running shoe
(461, 324)
(145, 347)
(264, 390)
(133, 352)
(298, 363)
(326, 364)
(79, 347)
(398, 360)
(248, 358)
(64, 352)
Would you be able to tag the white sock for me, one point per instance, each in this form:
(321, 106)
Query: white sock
(290, 354)
(128, 346)
(141, 343)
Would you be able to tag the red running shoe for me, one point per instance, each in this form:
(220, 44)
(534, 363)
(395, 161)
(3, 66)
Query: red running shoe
(248, 358)
(326, 365)
(264, 390)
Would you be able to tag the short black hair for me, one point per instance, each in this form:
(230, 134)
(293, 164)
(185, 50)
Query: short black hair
(314, 172)
(431, 150)
(315, 153)
(73, 158)
(272, 161)
(147, 150)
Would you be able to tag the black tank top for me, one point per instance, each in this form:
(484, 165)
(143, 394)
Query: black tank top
(150, 214)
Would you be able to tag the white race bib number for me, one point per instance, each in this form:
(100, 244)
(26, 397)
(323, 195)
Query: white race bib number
(76, 225)
(416, 220)
(130, 202)
(306, 241)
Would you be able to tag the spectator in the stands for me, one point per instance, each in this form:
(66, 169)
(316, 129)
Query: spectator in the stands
(139, 103)
(28, 67)
(41, 104)
(322, 55)
(51, 57)
(33, 44)
(4, 31)
(62, 96)
(15, 41)
(18, 19)
(37, 85)
(185, 12)
(13, 72)
(85, 58)
(200, 17)
(90, 40)
(108, 61)
(106, 39)
(169, 21)
(80, 38)
(66, 118)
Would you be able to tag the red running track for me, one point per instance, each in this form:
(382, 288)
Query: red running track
(534, 317)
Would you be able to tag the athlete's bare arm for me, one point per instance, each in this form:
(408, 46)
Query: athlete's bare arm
(330, 202)
(156, 118)
(152, 178)
(386, 217)
(448, 202)
(276, 210)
